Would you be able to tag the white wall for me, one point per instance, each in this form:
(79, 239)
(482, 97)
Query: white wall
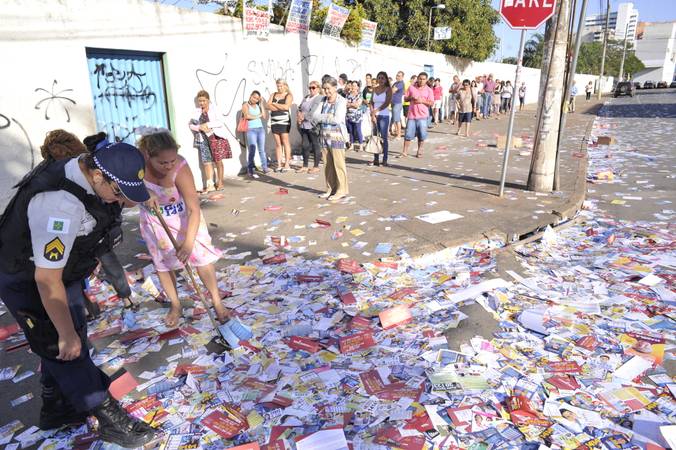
(657, 50)
(42, 43)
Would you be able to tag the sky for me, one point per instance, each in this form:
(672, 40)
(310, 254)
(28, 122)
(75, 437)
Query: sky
(648, 11)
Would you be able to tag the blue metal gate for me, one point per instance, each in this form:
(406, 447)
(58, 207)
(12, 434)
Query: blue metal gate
(128, 91)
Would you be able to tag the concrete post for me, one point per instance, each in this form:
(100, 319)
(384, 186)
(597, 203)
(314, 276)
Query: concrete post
(541, 175)
(605, 44)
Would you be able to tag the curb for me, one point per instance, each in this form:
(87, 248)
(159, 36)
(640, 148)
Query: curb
(531, 230)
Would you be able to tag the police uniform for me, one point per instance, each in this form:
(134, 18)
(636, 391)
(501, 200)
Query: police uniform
(56, 221)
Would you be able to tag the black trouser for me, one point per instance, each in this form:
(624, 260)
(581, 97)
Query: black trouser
(310, 143)
(115, 274)
(81, 382)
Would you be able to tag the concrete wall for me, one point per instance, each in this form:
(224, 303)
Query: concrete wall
(43, 48)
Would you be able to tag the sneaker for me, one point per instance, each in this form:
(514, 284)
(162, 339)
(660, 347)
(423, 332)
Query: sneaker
(116, 427)
(324, 195)
(57, 411)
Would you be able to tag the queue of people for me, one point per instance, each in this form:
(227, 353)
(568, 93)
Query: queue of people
(379, 109)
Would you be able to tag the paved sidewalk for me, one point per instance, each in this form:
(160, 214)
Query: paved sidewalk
(457, 174)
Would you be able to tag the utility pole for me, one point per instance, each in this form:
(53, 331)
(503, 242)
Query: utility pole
(541, 175)
(569, 83)
(605, 44)
(624, 53)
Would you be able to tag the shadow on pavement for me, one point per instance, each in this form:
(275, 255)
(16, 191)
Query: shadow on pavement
(642, 111)
(452, 176)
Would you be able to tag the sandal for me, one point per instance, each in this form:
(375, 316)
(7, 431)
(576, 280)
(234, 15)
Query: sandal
(302, 170)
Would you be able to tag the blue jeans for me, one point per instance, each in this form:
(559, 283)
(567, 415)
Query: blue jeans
(383, 124)
(354, 130)
(255, 138)
(488, 103)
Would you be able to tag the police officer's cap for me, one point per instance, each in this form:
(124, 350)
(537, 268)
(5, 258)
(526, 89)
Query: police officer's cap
(124, 164)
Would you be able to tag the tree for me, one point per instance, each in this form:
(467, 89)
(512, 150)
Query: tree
(510, 60)
(589, 59)
(533, 51)
(404, 23)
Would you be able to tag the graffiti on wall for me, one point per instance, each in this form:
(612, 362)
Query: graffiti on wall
(128, 86)
(6, 122)
(53, 96)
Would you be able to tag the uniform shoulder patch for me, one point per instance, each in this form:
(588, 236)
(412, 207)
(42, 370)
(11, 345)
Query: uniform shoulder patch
(54, 250)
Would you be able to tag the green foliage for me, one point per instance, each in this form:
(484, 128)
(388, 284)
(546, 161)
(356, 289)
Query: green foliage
(404, 23)
(533, 51)
(589, 59)
(352, 30)
(509, 60)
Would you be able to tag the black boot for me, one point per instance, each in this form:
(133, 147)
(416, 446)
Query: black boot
(57, 411)
(116, 427)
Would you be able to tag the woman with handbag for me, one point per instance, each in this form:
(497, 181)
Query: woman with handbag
(380, 115)
(309, 132)
(211, 140)
(251, 123)
(330, 115)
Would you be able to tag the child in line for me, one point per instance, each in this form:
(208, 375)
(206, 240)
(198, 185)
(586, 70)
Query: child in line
(171, 184)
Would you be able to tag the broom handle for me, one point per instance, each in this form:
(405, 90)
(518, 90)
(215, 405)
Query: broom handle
(188, 268)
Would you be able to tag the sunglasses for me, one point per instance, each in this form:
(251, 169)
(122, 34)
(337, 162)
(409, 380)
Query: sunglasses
(313, 87)
(116, 190)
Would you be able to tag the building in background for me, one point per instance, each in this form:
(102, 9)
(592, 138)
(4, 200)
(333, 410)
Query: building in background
(656, 48)
(624, 20)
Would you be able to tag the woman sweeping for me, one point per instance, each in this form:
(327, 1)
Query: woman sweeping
(170, 180)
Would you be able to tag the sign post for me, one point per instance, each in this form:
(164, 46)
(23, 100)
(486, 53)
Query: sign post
(521, 15)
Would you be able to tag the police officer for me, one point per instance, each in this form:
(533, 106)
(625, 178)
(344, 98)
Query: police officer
(51, 234)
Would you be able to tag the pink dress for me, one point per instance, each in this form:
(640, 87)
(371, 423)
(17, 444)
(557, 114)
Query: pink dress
(175, 214)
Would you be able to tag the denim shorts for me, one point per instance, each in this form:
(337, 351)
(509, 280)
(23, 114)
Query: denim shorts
(396, 112)
(416, 128)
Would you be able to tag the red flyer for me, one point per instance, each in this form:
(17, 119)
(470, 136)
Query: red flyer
(346, 265)
(184, 369)
(565, 382)
(282, 191)
(420, 422)
(360, 323)
(309, 278)
(9, 330)
(249, 446)
(401, 293)
(386, 265)
(226, 424)
(396, 391)
(323, 223)
(563, 367)
(587, 342)
(393, 317)
(277, 259)
(303, 343)
(346, 297)
(372, 381)
(358, 341)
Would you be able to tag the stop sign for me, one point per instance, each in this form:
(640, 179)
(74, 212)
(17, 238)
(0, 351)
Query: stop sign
(526, 14)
